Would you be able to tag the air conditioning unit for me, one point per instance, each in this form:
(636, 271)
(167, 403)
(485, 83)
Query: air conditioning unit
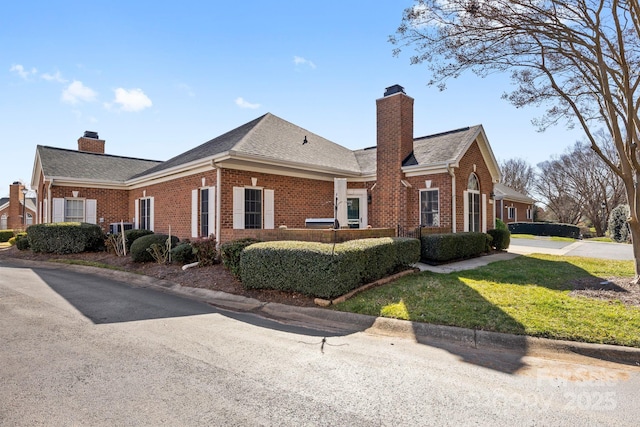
(116, 227)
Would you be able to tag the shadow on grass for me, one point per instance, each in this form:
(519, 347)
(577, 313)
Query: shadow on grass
(476, 329)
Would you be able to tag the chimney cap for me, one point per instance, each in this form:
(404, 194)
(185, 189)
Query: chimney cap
(91, 134)
(393, 89)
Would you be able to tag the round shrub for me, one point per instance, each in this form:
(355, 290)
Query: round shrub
(501, 238)
(131, 236)
(139, 247)
(183, 254)
(21, 241)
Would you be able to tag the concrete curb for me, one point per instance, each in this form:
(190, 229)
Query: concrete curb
(346, 323)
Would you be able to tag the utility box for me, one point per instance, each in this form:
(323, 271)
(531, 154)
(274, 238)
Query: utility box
(116, 227)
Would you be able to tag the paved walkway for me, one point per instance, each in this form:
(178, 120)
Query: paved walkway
(602, 250)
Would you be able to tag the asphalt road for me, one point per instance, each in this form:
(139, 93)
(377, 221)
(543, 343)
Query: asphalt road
(584, 248)
(79, 349)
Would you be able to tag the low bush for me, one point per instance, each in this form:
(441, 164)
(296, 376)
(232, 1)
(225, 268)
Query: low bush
(139, 252)
(500, 225)
(206, 251)
(131, 236)
(447, 247)
(230, 253)
(65, 237)
(322, 269)
(500, 238)
(21, 241)
(183, 253)
(5, 235)
(545, 229)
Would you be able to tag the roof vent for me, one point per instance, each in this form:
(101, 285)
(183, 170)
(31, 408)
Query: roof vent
(91, 134)
(393, 89)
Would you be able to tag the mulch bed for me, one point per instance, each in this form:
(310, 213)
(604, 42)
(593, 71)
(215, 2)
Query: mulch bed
(218, 278)
(608, 289)
(215, 277)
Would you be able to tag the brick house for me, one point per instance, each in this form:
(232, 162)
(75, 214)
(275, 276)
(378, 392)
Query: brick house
(511, 205)
(17, 211)
(270, 173)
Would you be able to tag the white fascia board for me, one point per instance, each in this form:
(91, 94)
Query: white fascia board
(203, 167)
(36, 171)
(88, 183)
(434, 168)
(205, 162)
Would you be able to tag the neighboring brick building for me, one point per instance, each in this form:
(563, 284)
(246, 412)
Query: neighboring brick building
(17, 211)
(270, 173)
(511, 205)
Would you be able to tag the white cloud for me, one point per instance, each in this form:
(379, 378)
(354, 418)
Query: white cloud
(299, 60)
(57, 77)
(132, 100)
(240, 102)
(77, 92)
(20, 70)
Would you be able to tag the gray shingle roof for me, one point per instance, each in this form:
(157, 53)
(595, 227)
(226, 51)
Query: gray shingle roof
(510, 194)
(63, 163)
(442, 147)
(271, 138)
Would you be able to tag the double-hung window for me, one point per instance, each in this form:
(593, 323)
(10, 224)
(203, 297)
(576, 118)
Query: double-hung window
(145, 214)
(429, 208)
(204, 212)
(253, 208)
(511, 212)
(73, 209)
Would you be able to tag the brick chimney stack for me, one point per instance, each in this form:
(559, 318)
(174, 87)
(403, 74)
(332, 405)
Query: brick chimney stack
(394, 145)
(90, 142)
(16, 199)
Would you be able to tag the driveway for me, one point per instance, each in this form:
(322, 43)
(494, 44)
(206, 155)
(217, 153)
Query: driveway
(584, 248)
(81, 349)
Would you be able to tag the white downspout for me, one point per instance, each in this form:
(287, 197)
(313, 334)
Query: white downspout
(47, 217)
(218, 203)
(453, 197)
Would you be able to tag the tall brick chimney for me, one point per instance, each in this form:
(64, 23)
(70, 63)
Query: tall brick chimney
(91, 143)
(394, 144)
(16, 199)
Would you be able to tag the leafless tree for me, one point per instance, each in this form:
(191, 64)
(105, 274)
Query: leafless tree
(518, 174)
(580, 58)
(578, 185)
(552, 186)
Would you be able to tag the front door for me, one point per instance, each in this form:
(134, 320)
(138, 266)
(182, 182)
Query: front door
(353, 212)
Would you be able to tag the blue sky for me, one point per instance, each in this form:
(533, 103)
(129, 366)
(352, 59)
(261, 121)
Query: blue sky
(155, 79)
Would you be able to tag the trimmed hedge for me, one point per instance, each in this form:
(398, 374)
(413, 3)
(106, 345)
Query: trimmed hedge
(184, 253)
(5, 235)
(447, 247)
(139, 247)
(230, 253)
(501, 238)
(65, 237)
(21, 241)
(323, 269)
(545, 229)
(131, 236)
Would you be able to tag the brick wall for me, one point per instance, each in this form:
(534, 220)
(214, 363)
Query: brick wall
(111, 205)
(521, 211)
(308, 235)
(473, 156)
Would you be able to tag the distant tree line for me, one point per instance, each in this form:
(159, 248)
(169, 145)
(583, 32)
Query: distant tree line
(571, 187)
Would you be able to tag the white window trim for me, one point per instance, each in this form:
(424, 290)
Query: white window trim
(420, 205)
(195, 211)
(268, 207)
(90, 207)
(151, 213)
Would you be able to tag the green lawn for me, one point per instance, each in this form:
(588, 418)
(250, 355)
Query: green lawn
(552, 238)
(527, 296)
